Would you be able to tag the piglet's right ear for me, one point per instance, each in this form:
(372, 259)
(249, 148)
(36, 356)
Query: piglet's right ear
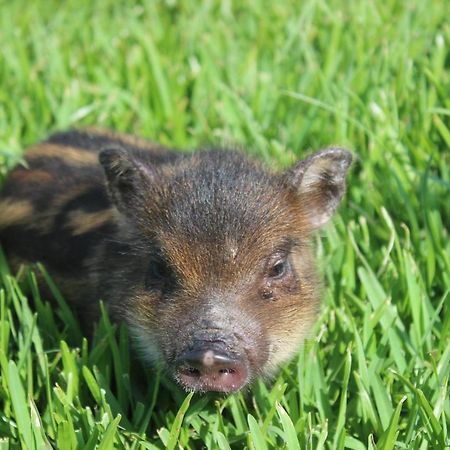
(319, 183)
(128, 179)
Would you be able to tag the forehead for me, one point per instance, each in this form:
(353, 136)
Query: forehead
(222, 209)
(219, 196)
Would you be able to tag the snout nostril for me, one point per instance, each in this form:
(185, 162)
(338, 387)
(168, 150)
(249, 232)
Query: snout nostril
(227, 370)
(192, 371)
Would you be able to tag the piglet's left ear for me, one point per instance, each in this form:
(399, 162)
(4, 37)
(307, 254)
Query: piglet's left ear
(319, 181)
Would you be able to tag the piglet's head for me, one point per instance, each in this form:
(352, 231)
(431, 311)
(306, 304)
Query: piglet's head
(220, 286)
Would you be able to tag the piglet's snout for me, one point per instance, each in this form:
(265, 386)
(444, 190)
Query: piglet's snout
(209, 367)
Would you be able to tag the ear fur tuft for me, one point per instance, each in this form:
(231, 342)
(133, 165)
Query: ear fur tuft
(128, 179)
(319, 181)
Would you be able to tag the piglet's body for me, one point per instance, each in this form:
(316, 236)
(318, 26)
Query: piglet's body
(205, 256)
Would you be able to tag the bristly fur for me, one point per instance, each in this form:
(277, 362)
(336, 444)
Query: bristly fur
(182, 247)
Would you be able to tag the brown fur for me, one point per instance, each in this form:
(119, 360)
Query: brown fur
(81, 222)
(15, 212)
(67, 155)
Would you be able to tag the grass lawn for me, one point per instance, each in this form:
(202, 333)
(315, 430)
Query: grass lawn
(278, 79)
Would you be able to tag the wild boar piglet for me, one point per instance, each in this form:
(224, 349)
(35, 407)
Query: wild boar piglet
(205, 256)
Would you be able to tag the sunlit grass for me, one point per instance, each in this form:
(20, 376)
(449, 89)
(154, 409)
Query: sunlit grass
(278, 79)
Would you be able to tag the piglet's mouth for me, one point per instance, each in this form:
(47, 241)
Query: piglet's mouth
(211, 370)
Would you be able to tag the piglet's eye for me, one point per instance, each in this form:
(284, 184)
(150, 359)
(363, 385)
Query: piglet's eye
(158, 274)
(278, 269)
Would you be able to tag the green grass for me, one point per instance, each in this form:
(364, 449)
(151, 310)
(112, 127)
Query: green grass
(277, 78)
